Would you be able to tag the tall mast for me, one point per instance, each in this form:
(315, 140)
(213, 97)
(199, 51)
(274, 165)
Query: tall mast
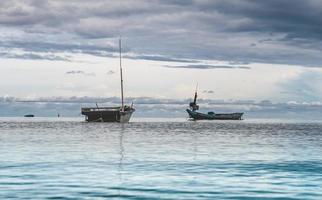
(122, 95)
(195, 99)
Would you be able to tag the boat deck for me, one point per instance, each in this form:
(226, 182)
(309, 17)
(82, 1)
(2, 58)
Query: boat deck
(92, 109)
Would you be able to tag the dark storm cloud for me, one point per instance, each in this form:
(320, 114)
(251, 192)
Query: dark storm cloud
(275, 31)
(296, 18)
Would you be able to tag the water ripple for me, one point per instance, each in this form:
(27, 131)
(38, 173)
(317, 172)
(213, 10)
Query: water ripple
(160, 160)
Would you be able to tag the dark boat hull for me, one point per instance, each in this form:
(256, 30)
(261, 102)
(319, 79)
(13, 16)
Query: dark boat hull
(107, 114)
(201, 116)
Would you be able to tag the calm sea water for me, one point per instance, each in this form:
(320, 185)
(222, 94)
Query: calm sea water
(69, 159)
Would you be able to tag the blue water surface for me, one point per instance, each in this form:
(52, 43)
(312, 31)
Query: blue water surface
(160, 159)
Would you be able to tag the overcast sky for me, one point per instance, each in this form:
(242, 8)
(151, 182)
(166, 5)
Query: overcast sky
(237, 49)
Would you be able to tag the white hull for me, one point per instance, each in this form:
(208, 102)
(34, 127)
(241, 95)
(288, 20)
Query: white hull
(125, 116)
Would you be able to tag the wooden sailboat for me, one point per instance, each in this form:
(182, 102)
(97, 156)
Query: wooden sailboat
(120, 114)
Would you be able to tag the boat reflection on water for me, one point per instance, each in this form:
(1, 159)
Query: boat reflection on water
(120, 164)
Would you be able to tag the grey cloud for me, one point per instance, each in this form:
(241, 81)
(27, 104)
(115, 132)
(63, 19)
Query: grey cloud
(33, 56)
(290, 17)
(238, 63)
(305, 87)
(153, 107)
(265, 40)
(110, 72)
(79, 72)
(275, 31)
(208, 91)
(7, 98)
(207, 67)
(177, 2)
(161, 58)
(37, 46)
